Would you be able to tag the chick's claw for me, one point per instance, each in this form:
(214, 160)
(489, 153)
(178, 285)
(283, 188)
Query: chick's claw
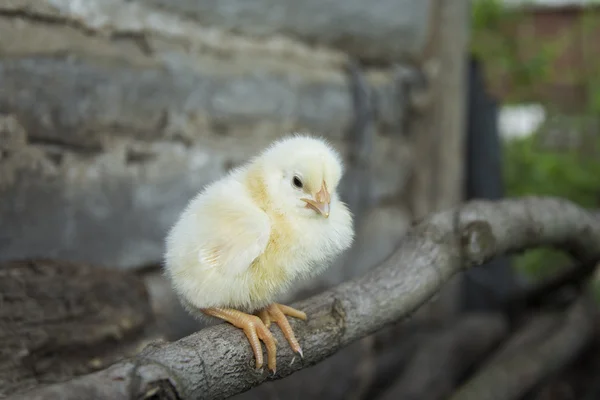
(254, 329)
(277, 313)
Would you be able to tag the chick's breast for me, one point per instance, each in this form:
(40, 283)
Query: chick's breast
(227, 250)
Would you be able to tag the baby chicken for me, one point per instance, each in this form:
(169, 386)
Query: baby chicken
(246, 238)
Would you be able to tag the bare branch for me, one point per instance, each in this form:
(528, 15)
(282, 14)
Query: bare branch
(573, 277)
(442, 359)
(540, 349)
(217, 362)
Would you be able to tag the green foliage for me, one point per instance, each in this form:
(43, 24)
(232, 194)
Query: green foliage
(529, 168)
(490, 21)
(523, 59)
(532, 170)
(487, 14)
(487, 20)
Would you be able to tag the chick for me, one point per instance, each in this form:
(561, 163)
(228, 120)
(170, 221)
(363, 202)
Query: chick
(246, 238)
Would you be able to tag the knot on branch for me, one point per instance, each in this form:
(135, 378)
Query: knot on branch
(162, 389)
(477, 242)
(339, 315)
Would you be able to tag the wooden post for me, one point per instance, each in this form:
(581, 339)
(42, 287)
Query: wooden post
(439, 126)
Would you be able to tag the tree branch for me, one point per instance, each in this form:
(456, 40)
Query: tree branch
(573, 277)
(444, 357)
(217, 362)
(541, 348)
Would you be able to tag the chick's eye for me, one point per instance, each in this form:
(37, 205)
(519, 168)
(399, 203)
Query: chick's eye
(297, 182)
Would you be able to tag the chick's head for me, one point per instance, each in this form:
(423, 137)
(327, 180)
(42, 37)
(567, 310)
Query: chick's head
(301, 175)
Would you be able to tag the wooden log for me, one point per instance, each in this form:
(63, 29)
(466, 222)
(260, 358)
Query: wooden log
(60, 319)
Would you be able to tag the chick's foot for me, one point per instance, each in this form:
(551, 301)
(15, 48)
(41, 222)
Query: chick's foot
(277, 313)
(254, 329)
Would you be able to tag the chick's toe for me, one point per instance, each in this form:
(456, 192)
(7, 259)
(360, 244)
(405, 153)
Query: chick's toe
(254, 329)
(292, 312)
(277, 313)
(265, 317)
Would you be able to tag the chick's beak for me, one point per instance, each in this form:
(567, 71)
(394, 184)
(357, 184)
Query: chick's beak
(321, 201)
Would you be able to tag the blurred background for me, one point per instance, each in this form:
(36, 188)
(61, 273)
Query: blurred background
(114, 113)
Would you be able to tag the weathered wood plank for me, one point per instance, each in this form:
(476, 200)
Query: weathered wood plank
(439, 130)
(61, 319)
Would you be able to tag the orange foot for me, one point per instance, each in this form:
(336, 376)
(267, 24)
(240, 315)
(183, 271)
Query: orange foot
(277, 313)
(256, 328)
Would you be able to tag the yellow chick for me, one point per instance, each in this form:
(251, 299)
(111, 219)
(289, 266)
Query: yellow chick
(246, 238)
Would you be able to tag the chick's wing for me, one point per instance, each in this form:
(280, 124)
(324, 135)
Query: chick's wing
(233, 233)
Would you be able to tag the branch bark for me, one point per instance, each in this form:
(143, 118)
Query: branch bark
(443, 359)
(540, 349)
(217, 362)
(573, 278)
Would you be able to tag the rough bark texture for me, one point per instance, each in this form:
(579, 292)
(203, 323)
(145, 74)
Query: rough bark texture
(61, 319)
(339, 377)
(217, 362)
(365, 369)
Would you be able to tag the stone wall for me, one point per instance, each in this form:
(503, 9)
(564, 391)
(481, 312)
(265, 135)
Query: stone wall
(114, 113)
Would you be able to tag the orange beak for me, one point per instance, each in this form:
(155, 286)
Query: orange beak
(321, 201)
